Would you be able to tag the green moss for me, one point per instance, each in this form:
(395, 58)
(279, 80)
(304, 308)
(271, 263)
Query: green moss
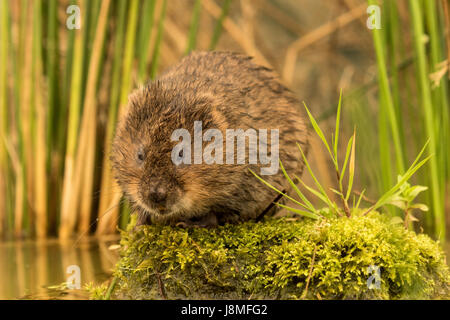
(274, 260)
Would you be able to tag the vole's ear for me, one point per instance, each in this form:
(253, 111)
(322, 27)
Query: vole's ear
(133, 103)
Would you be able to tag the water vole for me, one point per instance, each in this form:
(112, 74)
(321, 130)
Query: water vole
(218, 91)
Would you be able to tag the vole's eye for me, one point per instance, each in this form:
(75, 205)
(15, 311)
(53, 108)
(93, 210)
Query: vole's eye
(140, 156)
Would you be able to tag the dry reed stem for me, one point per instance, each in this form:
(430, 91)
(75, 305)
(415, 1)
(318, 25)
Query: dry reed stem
(19, 187)
(248, 20)
(107, 223)
(108, 219)
(279, 16)
(316, 35)
(311, 267)
(90, 121)
(68, 213)
(40, 176)
(106, 183)
(174, 33)
(153, 35)
(3, 116)
(2, 193)
(69, 207)
(349, 4)
(82, 183)
(106, 188)
(236, 33)
(25, 109)
(447, 32)
(169, 57)
(110, 197)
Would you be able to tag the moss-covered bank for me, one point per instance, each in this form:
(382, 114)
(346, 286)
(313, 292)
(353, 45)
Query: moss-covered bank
(280, 259)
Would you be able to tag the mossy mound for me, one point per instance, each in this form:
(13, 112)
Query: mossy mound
(280, 259)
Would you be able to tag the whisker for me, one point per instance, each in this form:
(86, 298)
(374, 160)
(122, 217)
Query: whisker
(109, 210)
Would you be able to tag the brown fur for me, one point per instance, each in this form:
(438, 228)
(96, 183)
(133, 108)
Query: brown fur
(225, 91)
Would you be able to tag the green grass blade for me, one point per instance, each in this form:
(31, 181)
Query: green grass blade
(159, 34)
(129, 51)
(336, 134)
(193, 30)
(347, 155)
(275, 189)
(219, 24)
(314, 192)
(429, 117)
(356, 207)
(300, 212)
(316, 181)
(145, 31)
(382, 200)
(319, 132)
(351, 168)
(297, 190)
(386, 91)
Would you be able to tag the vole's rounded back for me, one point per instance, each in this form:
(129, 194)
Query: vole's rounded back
(216, 90)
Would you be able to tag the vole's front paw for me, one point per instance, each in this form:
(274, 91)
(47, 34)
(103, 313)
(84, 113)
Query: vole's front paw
(207, 221)
(142, 219)
(182, 224)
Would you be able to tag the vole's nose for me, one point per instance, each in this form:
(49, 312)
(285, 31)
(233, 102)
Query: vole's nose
(157, 193)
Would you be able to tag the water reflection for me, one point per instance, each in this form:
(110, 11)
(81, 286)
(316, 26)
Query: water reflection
(35, 269)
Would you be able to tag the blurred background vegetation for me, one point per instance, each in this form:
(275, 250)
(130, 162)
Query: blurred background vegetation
(62, 90)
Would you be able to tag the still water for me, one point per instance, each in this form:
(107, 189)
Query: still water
(38, 269)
